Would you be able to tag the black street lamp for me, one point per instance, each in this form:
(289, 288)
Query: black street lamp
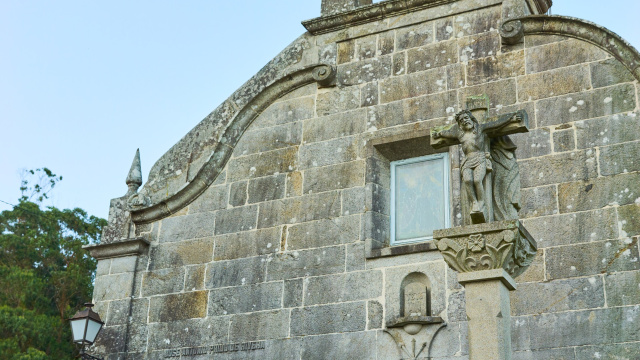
(85, 326)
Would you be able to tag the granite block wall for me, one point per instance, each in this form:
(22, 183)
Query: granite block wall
(286, 255)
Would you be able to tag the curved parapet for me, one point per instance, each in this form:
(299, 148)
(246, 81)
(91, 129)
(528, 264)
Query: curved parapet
(513, 31)
(324, 75)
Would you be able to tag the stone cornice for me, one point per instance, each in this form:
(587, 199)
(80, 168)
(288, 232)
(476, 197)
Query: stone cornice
(322, 74)
(126, 247)
(513, 31)
(368, 13)
(385, 9)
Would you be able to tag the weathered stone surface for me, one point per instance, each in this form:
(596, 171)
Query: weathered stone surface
(558, 295)
(188, 333)
(456, 76)
(340, 176)
(399, 63)
(246, 244)
(326, 319)
(236, 220)
(543, 58)
(346, 51)
(606, 131)
(412, 85)
(609, 72)
(292, 296)
(502, 92)
(293, 184)
(564, 140)
(299, 209)
(495, 67)
(245, 299)
(374, 315)
(369, 94)
(123, 264)
(386, 43)
(586, 105)
(314, 262)
(163, 281)
(479, 46)
(262, 164)
(112, 287)
(334, 100)
(367, 47)
(343, 287)
(429, 107)
(588, 327)
(103, 267)
(335, 126)
(194, 279)
(259, 326)
(432, 56)
(365, 71)
(582, 227)
(536, 271)
(359, 345)
(536, 142)
(187, 227)
(553, 83)
(558, 168)
(414, 36)
(330, 152)
(608, 352)
(620, 158)
(592, 258)
(628, 219)
(284, 112)
(327, 232)
(266, 188)
(236, 272)
(214, 198)
(375, 228)
(538, 201)
(622, 288)
(181, 253)
(478, 21)
(267, 139)
(356, 256)
(619, 189)
(537, 40)
(555, 354)
(178, 307)
(118, 312)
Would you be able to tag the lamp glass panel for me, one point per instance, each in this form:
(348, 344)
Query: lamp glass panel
(92, 330)
(77, 328)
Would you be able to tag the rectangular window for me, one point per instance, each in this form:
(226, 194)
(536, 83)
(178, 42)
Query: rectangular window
(419, 198)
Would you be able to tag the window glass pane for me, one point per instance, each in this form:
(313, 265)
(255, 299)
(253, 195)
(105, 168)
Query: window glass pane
(420, 201)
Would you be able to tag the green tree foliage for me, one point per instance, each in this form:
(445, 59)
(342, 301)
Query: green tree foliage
(45, 275)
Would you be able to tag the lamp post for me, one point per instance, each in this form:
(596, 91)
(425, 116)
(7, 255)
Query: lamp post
(85, 326)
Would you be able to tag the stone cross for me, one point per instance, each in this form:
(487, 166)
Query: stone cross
(490, 176)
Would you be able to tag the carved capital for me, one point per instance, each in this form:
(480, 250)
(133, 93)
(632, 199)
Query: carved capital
(498, 245)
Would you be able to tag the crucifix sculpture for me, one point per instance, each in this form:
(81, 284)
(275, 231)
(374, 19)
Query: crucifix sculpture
(489, 171)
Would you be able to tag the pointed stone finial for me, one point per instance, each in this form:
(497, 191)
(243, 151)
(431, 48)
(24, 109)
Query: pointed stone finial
(134, 179)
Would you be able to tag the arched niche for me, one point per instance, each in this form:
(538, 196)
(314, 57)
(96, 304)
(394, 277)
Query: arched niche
(415, 295)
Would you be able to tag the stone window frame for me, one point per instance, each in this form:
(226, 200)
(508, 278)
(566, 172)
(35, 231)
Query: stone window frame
(380, 152)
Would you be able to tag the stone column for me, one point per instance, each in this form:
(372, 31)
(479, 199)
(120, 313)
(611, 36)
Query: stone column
(488, 257)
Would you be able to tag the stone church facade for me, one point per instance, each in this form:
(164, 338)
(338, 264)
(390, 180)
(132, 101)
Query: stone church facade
(269, 231)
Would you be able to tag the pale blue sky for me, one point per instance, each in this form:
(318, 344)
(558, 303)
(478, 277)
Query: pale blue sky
(85, 83)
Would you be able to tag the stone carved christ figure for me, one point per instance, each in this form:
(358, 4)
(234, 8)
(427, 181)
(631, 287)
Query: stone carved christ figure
(477, 165)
